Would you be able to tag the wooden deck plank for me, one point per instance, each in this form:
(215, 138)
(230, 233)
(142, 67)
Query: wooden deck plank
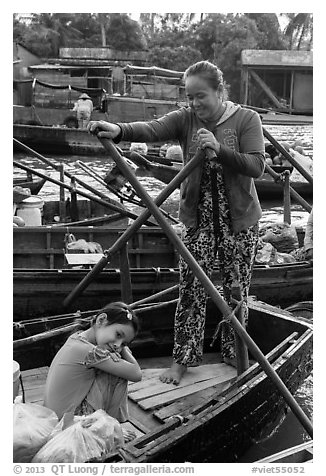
(185, 406)
(194, 375)
(148, 377)
(169, 397)
(142, 419)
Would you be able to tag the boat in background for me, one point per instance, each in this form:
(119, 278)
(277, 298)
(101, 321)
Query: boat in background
(266, 186)
(35, 186)
(43, 277)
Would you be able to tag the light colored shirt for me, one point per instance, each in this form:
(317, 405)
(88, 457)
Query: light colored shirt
(71, 374)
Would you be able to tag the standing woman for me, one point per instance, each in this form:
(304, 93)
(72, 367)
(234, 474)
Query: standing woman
(219, 207)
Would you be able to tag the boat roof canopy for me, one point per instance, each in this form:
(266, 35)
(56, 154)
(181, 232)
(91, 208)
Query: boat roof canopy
(277, 58)
(153, 70)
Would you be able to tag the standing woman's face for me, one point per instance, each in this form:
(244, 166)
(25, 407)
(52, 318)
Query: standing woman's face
(202, 98)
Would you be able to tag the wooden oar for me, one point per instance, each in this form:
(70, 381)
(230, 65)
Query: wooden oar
(209, 287)
(82, 193)
(288, 156)
(128, 199)
(129, 232)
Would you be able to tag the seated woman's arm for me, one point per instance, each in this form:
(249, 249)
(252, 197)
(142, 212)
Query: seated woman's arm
(126, 367)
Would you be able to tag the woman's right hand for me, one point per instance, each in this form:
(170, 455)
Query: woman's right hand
(104, 129)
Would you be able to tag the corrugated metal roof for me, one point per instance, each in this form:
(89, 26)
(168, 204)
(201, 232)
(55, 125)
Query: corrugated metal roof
(282, 58)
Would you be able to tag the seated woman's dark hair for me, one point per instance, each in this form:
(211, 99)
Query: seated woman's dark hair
(116, 313)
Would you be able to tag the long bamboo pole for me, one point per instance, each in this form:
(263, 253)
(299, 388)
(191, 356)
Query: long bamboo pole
(47, 161)
(101, 201)
(101, 181)
(210, 288)
(129, 232)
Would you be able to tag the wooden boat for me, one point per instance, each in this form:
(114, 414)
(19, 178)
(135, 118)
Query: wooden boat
(64, 140)
(55, 138)
(42, 277)
(34, 186)
(302, 453)
(212, 416)
(266, 187)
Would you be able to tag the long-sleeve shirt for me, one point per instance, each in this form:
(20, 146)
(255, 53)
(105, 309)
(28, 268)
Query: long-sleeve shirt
(242, 156)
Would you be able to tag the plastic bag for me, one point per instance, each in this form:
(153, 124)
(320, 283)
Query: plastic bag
(32, 426)
(90, 438)
(281, 235)
(267, 254)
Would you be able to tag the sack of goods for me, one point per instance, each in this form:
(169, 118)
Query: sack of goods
(268, 255)
(91, 438)
(33, 425)
(281, 235)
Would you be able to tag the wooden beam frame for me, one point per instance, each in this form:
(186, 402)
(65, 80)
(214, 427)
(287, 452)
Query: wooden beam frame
(265, 88)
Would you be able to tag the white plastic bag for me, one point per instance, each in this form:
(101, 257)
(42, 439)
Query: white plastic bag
(90, 438)
(32, 426)
(264, 253)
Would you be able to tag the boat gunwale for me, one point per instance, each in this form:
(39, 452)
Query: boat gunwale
(183, 431)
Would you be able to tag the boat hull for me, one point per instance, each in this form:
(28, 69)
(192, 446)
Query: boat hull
(42, 279)
(222, 426)
(42, 292)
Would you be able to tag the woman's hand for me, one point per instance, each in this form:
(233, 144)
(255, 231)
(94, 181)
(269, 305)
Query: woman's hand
(104, 129)
(208, 140)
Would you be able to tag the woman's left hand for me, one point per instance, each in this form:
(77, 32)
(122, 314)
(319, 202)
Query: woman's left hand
(208, 140)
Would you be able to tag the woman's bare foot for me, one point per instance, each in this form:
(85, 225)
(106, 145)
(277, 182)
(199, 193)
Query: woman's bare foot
(128, 435)
(174, 374)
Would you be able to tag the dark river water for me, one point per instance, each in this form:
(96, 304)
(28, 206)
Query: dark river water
(290, 431)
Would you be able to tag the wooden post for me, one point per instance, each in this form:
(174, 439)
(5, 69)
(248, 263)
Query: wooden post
(62, 205)
(240, 346)
(294, 194)
(291, 92)
(287, 198)
(126, 289)
(265, 88)
(73, 203)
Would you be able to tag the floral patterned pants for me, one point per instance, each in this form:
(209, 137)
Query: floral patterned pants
(236, 253)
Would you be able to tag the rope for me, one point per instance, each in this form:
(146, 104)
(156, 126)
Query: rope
(226, 319)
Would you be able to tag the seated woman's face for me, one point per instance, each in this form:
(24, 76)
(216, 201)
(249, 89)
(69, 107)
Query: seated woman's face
(202, 98)
(115, 335)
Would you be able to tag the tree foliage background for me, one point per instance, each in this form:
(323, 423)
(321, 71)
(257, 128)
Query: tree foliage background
(173, 40)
